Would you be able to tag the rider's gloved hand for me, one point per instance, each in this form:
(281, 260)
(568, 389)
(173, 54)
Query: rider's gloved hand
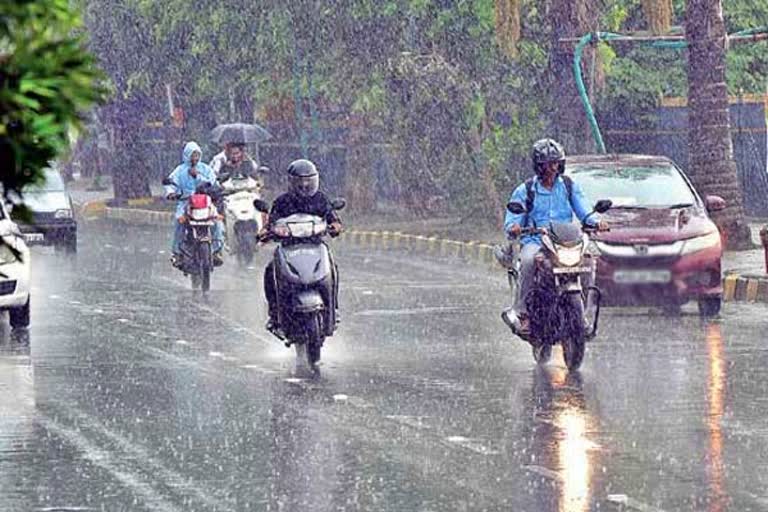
(515, 230)
(603, 226)
(334, 229)
(174, 196)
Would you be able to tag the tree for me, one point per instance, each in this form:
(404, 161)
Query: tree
(712, 168)
(47, 82)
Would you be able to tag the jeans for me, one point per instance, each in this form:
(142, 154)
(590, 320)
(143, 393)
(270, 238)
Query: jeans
(179, 230)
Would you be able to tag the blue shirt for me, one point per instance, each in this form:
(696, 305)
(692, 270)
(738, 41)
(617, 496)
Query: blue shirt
(549, 206)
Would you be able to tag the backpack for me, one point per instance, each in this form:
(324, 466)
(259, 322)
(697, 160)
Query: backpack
(530, 194)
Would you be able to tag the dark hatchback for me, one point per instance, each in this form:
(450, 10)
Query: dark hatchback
(53, 221)
(662, 249)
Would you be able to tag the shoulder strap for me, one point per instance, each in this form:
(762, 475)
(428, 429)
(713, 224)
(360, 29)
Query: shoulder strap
(530, 195)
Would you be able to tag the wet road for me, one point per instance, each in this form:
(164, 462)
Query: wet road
(131, 392)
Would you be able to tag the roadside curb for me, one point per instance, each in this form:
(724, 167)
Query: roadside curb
(746, 288)
(736, 287)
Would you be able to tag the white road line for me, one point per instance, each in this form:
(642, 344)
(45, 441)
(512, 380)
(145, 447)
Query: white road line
(410, 421)
(471, 444)
(145, 460)
(152, 499)
(545, 472)
(627, 501)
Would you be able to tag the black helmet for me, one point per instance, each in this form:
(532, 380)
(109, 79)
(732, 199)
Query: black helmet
(545, 151)
(304, 178)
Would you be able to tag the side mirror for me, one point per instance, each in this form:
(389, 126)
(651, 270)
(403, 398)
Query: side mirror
(516, 208)
(263, 169)
(715, 203)
(603, 205)
(338, 204)
(261, 205)
(167, 181)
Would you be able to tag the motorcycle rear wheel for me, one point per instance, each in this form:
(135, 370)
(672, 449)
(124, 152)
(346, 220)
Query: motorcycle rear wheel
(574, 343)
(204, 261)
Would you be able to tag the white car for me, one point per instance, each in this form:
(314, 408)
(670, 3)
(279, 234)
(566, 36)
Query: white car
(14, 271)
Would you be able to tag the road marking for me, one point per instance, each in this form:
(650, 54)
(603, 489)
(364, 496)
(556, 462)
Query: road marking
(182, 342)
(627, 501)
(340, 397)
(471, 444)
(545, 472)
(410, 421)
(152, 499)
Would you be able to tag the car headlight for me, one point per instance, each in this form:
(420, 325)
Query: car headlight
(702, 242)
(64, 213)
(569, 256)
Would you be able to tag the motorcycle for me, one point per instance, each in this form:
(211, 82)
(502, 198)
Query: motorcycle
(241, 218)
(305, 281)
(558, 299)
(196, 247)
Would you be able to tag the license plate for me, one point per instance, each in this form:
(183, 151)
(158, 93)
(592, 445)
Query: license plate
(642, 276)
(571, 270)
(34, 237)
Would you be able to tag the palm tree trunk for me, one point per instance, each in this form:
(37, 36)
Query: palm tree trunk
(570, 18)
(712, 168)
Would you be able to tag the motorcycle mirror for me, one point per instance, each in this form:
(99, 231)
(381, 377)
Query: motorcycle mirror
(603, 205)
(167, 181)
(515, 208)
(338, 204)
(261, 205)
(263, 169)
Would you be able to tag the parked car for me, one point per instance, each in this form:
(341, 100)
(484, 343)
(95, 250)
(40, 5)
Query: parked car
(663, 249)
(53, 221)
(14, 271)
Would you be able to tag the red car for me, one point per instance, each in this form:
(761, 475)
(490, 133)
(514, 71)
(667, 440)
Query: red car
(662, 249)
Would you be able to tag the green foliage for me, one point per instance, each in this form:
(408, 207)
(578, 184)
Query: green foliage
(47, 81)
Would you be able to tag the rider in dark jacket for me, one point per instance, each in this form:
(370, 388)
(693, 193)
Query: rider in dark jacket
(304, 197)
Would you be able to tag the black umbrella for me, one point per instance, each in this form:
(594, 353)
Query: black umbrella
(239, 133)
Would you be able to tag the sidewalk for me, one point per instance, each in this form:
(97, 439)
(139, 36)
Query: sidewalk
(744, 272)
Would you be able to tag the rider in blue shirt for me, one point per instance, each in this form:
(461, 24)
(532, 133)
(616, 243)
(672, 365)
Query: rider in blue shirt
(555, 199)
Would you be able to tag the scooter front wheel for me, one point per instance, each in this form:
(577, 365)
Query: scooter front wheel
(574, 342)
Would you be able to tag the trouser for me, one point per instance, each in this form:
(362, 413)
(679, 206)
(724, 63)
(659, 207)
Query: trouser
(179, 230)
(527, 269)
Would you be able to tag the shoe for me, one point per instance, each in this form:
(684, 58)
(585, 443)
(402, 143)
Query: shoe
(218, 259)
(275, 329)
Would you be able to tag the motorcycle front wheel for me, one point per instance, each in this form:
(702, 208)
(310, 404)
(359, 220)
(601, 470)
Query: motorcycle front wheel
(574, 338)
(204, 262)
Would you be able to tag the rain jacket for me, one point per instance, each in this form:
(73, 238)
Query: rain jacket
(183, 179)
(549, 206)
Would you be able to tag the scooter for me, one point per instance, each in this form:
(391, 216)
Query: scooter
(196, 247)
(242, 220)
(305, 281)
(557, 301)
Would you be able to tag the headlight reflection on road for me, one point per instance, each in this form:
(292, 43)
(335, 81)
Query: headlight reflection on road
(716, 406)
(573, 445)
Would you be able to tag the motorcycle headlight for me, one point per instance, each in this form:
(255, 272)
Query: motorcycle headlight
(569, 256)
(701, 242)
(64, 213)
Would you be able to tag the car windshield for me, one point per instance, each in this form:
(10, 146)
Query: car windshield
(634, 187)
(52, 183)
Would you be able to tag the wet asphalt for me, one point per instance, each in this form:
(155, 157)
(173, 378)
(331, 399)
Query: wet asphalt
(131, 392)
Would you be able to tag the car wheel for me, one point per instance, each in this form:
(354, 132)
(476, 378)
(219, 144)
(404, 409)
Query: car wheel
(710, 306)
(19, 316)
